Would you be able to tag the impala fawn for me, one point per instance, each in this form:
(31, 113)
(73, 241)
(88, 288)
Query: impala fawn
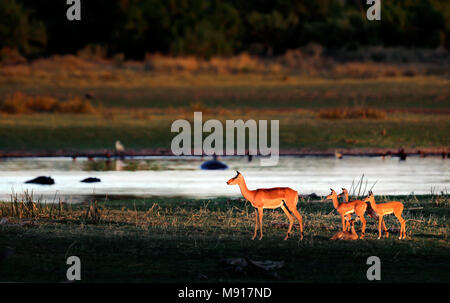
(283, 197)
(344, 194)
(358, 207)
(382, 209)
(369, 211)
(345, 235)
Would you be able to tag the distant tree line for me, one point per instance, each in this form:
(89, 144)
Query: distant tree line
(218, 27)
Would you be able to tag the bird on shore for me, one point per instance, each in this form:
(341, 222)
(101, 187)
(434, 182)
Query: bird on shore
(337, 154)
(402, 154)
(120, 149)
(386, 154)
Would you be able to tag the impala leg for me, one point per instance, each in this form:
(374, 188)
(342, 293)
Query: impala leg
(291, 221)
(385, 229)
(380, 220)
(363, 228)
(260, 212)
(404, 229)
(300, 221)
(402, 225)
(343, 222)
(347, 222)
(256, 224)
(292, 206)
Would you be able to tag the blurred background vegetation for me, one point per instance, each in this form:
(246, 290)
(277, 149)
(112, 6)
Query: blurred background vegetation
(218, 27)
(131, 67)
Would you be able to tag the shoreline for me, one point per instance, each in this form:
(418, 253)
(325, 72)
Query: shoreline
(444, 152)
(85, 199)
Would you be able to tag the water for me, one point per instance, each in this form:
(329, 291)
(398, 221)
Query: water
(170, 176)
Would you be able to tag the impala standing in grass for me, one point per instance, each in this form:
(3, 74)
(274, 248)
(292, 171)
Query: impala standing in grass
(283, 197)
(358, 207)
(382, 209)
(369, 211)
(344, 194)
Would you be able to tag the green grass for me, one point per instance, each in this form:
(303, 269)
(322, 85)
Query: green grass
(184, 240)
(252, 91)
(42, 132)
(138, 109)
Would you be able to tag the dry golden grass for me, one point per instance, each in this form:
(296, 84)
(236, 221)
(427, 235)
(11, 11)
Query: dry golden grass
(352, 113)
(94, 68)
(242, 63)
(296, 67)
(10, 56)
(19, 103)
(175, 239)
(366, 70)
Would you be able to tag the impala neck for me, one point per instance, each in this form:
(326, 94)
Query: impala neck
(353, 229)
(346, 197)
(248, 194)
(335, 201)
(372, 204)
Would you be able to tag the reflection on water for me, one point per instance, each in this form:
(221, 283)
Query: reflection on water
(182, 176)
(118, 165)
(100, 164)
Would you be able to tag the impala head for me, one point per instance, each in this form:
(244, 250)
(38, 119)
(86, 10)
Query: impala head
(370, 197)
(330, 196)
(236, 179)
(343, 193)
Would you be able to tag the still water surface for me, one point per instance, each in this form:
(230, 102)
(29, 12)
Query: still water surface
(181, 176)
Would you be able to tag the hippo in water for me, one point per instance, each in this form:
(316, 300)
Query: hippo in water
(90, 180)
(213, 164)
(42, 180)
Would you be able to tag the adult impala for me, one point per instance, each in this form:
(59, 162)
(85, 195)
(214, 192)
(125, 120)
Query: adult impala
(382, 209)
(261, 198)
(358, 207)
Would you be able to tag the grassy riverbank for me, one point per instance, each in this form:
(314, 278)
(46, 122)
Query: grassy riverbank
(184, 240)
(150, 129)
(74, 104)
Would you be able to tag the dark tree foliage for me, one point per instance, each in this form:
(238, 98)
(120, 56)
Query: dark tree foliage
(218, 27)
(19, 29)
